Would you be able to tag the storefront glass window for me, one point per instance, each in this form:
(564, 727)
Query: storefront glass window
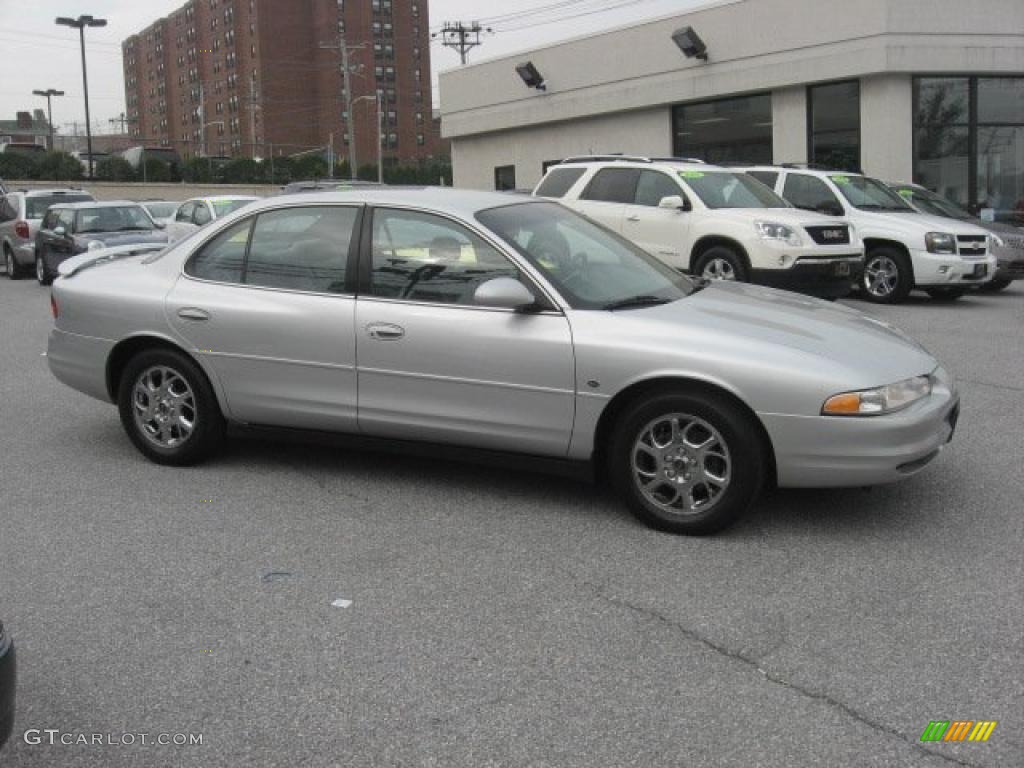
(738, 129)
(834, 122)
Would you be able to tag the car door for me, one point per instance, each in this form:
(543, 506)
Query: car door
(606, 195)
(62, 245)
(266, 307)
(433, 365)
(662, 232)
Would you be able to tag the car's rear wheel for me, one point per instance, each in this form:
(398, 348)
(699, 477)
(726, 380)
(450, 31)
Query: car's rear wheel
(687, 463)
(945, 294)
(168, 408)
(888, 276)
(11, 266)
(42, 274)
(994, 286)
(721, 263)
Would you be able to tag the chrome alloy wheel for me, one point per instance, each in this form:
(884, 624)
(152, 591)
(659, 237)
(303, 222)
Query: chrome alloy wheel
(164, 406)
(881, 276)
(718, 269)
(681, 464)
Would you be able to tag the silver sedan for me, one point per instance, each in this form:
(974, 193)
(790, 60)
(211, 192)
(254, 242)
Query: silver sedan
(515, 325)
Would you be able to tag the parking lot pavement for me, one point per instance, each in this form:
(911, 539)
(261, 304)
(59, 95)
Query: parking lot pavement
(498, 617)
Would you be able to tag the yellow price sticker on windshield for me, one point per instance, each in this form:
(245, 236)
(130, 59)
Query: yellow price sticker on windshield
(691, 174)
(841, 179)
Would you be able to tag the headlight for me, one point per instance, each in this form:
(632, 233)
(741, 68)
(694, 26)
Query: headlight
(771, 230)
(940, 242)
(995, 241)
(874, 402)
(96, 245)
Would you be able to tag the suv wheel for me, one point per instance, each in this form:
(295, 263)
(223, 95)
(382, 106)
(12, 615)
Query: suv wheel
(686, 463)
(945, 294)
(721, 263)
(42, 275)
(12, 267)
(168, 408)
(888, 276)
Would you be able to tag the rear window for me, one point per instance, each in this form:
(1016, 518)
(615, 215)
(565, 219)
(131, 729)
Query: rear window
(768, 178)
(559, 181)
(35, 207)
(224, 207)
(613, 185)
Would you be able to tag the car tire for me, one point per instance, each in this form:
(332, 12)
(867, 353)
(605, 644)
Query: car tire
(168, 408)
(673, 483)
(43, 276)
(720, 262)
(945, 294)
(888, 276)
(11, 266)
(994, 286)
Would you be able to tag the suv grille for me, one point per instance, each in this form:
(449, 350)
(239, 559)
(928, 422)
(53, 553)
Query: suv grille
(837, 235)
(972, 245)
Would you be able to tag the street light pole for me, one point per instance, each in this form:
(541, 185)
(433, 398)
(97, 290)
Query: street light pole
(346, 71)
(80, 24)
(49, 93)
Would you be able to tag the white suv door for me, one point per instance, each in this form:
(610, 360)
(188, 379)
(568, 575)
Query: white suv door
(662, 232)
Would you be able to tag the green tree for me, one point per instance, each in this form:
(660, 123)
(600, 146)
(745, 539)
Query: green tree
(58, 166)
(114, 168)
(156, 170)
(241, 170)
(17, 166)
(196, 170)
(309, 167)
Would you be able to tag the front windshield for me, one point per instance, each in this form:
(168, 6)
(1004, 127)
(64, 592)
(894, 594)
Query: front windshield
(36, 205)
(113, 219)
(161, 210)
(224, 207)
(723, 189)
(929, 202)
(869, 194)
(592, 267)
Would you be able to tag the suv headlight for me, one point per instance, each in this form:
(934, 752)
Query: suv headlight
(878, 401)
(940, 242)
(772, 230)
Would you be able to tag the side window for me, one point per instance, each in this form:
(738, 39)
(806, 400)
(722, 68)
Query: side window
(768, 178)
(221, 259)
(653, 186)
(6, 209)
(612, 185)
(185, 212)
(301, 249)
(202, 215)
(66, 219)
(49, 220)
(422, 257)
(559, 181)
(810, 193)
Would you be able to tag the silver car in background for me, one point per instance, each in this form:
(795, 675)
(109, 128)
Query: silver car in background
(200, 211)
(20, 214)
(161, 211)
(479, 319)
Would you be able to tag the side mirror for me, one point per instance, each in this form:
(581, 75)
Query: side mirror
(675, 202)
(504, 293)
(59, 231)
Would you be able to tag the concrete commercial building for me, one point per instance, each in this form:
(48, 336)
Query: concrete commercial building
(931, 90)
(27, 127)
(247, 77)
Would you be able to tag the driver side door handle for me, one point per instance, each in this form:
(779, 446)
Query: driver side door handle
(385, 331)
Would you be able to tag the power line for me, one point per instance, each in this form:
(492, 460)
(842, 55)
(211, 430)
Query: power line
(461, 38)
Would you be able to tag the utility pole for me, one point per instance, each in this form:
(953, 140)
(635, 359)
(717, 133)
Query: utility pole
(49, 93)
(121, 120)
(460, 37)
(253, 106)
(346, 70)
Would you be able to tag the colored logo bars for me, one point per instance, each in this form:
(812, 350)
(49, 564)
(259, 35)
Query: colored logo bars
(959, 730)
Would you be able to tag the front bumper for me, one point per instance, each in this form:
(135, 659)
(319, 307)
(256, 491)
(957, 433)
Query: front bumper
(1010, 263)
(828, 277)
(80, 362)
(831, 451)
(937, 270)
(8, 683)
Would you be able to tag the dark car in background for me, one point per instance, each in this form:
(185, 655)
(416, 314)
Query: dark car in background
(20, 213)
(67, 230)
(8, 676)
(1007, 240)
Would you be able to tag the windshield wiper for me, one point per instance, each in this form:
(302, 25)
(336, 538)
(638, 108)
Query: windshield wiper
(635, 301)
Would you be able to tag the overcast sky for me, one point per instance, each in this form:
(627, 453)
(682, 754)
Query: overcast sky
(37, 54)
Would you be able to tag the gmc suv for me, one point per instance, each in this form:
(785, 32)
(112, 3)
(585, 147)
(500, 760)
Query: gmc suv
(710, 221)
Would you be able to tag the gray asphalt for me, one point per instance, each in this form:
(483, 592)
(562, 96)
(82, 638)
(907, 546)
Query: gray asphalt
(502, 618)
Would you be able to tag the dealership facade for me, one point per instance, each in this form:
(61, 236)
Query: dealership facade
(929, 90)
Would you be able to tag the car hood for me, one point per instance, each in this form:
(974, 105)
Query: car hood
(750, 319)
(112, 239)
(919, 223)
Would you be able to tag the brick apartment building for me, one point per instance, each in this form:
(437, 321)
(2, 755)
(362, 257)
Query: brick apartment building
(260, 70)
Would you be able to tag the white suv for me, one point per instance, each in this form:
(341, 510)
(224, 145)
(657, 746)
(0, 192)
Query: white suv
(905, 249)
(710, 221)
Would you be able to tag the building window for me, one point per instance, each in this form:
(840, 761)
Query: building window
(505, 178)
(737, 129)
(833, 125)
(969, 142)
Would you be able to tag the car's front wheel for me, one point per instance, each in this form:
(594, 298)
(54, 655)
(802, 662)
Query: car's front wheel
(721, 263)
(43, 275)
(888, 276)
(168, 408)
(687, 463)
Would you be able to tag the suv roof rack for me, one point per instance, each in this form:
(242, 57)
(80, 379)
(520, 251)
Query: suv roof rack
(610, 158)
(816, 167)
(678, 160)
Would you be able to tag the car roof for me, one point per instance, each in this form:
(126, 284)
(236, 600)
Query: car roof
(53, 191)
(457, 202)
(88, 206)
(215, 198)
(675, 165)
